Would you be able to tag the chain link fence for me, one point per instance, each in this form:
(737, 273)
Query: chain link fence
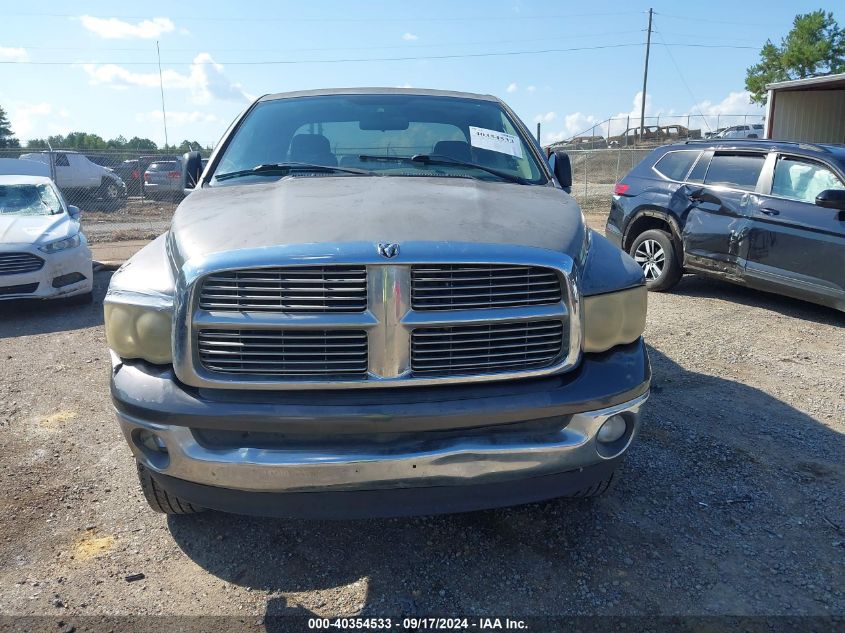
(595, 172)
(626, 132)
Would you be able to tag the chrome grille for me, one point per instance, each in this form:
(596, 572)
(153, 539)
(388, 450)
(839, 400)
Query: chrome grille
(297, 354)
(472, 286)
(17, 263)
(293, 289)
(480, 349)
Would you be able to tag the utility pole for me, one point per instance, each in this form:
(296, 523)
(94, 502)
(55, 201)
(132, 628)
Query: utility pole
(645, 75)
(161, 85)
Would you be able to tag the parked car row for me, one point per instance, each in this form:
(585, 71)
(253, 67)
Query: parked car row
(765, 214)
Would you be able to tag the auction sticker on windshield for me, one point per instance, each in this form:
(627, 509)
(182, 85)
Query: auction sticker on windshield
(495, 141)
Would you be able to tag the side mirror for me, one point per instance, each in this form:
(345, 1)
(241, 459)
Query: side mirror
(562, 169)
(191, 170)
(831, 199)
(73, 211)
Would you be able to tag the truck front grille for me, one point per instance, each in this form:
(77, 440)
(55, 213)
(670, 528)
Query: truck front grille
(345, 317)
(17, 263)
(474, 286)
(294, 289)
(480, 349)
(293, 354)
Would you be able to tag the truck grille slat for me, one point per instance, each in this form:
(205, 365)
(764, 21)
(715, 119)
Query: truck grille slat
(479, 286)
(445, 352)
(315, 289)
(328, 354)
(18, 263)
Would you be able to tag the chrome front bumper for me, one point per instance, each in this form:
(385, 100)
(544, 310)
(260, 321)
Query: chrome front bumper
(471, 459)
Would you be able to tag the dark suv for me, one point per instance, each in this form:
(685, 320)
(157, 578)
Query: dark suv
(765, 214)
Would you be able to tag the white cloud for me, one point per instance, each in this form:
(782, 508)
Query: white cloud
(512, 88)
(410, 37)
(114, 29)
(205, 80)
(177, 117)
(26, 117)
(548, 117)
(531, 88)
(13, 54)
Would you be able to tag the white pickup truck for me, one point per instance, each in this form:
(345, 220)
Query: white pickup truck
(82, 181)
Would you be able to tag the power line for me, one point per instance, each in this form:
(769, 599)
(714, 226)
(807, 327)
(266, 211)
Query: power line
(343, 60)
(333, 48)
(322, 19)
(681, 76)
(691, 18)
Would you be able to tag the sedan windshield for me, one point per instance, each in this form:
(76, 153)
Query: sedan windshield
(29, 200)
(379, 135)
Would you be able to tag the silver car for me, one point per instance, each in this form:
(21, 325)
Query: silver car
(163, 179)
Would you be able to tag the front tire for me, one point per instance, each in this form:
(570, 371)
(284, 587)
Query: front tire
(599, 488)
(159, 499)
(655, 253)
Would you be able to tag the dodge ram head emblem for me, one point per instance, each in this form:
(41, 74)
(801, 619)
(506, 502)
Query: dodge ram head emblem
(388, 250)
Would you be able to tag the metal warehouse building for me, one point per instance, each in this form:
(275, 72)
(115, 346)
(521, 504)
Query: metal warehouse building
(810, 110)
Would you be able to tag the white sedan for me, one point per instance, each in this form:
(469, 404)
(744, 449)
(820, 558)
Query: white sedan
(43, 252)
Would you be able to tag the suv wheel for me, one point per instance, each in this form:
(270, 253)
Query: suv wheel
(159, 499)
(654, 252)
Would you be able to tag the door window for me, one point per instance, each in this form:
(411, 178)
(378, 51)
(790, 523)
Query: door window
(802, 180)
(675, 165)
(61, 160)
(740, 171)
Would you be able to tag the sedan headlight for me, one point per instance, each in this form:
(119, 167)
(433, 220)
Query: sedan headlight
(134, 331)
(62, 244)
(614, 318)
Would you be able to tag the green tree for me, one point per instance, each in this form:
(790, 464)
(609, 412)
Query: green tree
(7, 137)
(815, 46)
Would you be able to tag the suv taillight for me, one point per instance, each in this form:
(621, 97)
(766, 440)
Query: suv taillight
(620, 189)
(146, 177)
(136, 175)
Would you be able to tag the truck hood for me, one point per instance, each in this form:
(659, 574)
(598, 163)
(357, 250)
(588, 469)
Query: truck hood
(36, 229)
(303, 210)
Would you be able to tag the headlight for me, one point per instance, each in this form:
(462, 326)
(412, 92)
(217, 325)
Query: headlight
(61, 245)
(139, 332)
(614, 318)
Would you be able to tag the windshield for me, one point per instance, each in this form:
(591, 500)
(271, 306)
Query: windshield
(29, 200)
(379, 134)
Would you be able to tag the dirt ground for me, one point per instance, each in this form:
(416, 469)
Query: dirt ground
(731, 500)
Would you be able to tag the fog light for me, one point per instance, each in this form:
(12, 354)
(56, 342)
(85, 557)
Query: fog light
(152, 442)
(66, 280)
(613, 428)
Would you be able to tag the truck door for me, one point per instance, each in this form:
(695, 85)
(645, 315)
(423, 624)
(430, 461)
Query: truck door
(64, 177)
(85, 173)
(716, 226)
(794, 244)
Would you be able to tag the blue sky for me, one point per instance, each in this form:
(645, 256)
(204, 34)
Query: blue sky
(106, 80)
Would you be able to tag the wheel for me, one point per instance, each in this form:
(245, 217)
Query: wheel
(597, 489)
(109, 195)
(159, 499)
(654, 252)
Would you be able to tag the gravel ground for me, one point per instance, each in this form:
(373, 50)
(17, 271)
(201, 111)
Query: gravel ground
(731, 500)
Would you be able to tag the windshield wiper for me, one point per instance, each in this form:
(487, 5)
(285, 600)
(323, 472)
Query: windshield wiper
(440, 159)
(271, 168)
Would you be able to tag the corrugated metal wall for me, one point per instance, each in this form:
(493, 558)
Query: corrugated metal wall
(813, 116)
